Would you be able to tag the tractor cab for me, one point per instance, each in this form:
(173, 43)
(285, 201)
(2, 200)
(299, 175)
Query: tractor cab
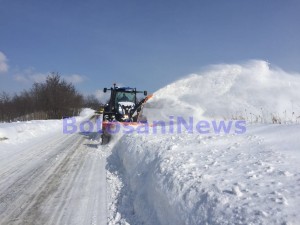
(122, 105)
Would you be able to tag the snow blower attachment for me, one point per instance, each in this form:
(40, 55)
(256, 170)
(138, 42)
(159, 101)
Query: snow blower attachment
(123, 107)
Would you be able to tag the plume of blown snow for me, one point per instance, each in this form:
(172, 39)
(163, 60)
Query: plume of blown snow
(243, 91)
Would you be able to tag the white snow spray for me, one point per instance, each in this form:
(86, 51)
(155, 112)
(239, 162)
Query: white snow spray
(253, 91)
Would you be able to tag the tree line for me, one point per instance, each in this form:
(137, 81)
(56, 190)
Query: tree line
(53, 99)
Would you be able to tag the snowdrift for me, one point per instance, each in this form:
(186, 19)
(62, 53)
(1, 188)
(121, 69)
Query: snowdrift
(210, 179)
(253, 91)
(18, 132)
(249, 178)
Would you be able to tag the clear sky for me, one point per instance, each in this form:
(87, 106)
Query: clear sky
(141, 43)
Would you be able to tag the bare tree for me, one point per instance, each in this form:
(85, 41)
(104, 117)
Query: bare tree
(50, 100)
(90, 101)
(4, 106)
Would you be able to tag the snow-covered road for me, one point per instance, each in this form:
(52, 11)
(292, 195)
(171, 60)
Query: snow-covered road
(57, 179)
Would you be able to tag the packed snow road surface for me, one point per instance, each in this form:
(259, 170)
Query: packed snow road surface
(58, 179)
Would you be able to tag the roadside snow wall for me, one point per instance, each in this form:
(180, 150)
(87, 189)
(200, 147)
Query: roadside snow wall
(217, 179)
(207, 179)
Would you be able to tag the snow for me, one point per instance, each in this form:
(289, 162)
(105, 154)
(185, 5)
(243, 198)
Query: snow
(211, 179)
(226, 178)
(251, 177)
(52, 177)
(253, 91)
(86, 113)
(185, 178)
(19, 132)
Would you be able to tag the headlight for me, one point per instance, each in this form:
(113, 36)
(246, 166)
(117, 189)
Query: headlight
(120, 110)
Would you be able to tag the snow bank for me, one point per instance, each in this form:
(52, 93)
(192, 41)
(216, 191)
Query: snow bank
(253, 91)
(251, 178)
(22, 131)
(18, 132)
(211, 179)
(86, 113)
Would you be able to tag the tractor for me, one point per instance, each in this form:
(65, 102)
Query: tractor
(123, 107)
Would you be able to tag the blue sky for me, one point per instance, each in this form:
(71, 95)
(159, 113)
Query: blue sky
(145, 44)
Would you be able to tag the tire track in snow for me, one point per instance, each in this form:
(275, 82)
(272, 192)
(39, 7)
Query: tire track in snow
(15, 162)
(56, 190)
(49, 187)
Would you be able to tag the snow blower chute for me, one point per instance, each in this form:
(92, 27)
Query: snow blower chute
(123, 107)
